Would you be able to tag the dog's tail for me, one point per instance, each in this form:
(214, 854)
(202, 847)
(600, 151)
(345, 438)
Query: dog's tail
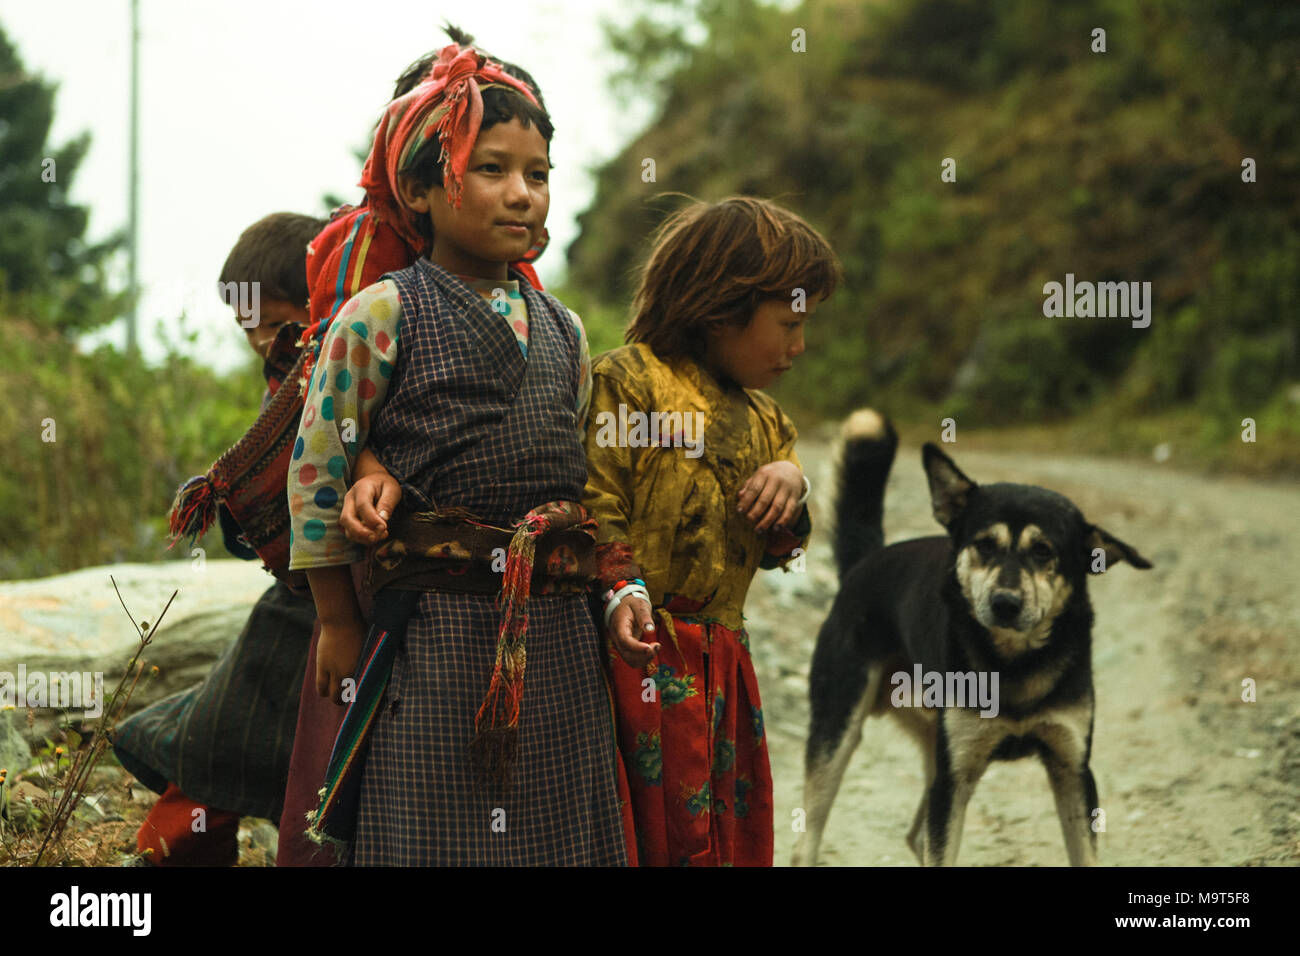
(869, 445)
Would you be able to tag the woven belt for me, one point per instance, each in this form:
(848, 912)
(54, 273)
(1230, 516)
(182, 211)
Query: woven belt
(434, 551)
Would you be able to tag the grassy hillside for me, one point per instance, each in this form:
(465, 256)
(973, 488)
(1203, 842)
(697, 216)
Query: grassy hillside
(125, 436)
(1123, 165)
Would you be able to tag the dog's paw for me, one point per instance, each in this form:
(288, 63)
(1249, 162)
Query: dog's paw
(801, 855)
(916, 843)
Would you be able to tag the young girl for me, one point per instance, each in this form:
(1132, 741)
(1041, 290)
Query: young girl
(476, 415)
(684, 525)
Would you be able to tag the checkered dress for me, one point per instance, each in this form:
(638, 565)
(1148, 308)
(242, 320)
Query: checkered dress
(469, 423)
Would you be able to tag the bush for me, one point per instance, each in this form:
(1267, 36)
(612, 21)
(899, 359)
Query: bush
(125, 436)
(1023, 370)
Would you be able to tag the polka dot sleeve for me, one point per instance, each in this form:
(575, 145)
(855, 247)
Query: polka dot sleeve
(347, 387)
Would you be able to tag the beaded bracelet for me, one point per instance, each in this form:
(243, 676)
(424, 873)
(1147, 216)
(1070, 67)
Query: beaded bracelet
(618, 585)
(615, 598)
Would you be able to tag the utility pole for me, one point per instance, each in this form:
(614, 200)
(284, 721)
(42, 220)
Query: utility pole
(133, 190)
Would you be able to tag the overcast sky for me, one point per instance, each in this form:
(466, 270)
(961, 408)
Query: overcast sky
(249, 107)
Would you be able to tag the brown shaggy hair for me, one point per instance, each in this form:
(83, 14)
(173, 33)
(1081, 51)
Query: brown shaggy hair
(273, 252)
(713, 264)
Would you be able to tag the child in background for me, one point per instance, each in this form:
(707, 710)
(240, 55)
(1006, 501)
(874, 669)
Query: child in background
(683, 526)
(477, 416)
(222, 747)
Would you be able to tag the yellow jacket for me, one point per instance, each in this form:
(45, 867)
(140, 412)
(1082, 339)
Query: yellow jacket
(668, 487)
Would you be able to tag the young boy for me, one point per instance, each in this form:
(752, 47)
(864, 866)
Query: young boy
(358, 246)
(222, 747)
(477, 416)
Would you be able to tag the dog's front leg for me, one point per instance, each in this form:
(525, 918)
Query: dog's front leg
(1066, 759)
(964, 743)
(1076, 795)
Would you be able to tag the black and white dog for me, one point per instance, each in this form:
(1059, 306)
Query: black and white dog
(978, 642)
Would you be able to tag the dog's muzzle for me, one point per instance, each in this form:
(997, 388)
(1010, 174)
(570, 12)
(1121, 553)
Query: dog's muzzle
(1006, 607)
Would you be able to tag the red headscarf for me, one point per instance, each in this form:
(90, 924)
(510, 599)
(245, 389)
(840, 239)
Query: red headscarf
(449, 103)
(362, 243)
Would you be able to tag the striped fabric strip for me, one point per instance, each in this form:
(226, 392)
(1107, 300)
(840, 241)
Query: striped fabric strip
(361, 261)
(335, 819)
(339, 296)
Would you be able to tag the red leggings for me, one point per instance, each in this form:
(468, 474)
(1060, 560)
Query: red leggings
(176, 836)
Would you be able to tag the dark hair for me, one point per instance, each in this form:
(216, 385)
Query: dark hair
(499, 106)
(272, 252)
(714, 264)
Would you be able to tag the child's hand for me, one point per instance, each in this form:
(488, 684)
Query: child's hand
(368, 505)
(631, 620)
(337, 651)
(771, 495)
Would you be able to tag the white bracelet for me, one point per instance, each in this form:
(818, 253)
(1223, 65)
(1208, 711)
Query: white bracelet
(635, 590)
(807, 490)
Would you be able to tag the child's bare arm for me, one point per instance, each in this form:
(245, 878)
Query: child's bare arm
(370, 501)
(770, 498)
(341, 628)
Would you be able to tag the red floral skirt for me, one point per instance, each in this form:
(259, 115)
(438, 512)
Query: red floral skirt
(690, 729)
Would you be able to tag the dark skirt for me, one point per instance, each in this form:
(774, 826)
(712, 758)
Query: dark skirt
(419, 804)
(226, 742)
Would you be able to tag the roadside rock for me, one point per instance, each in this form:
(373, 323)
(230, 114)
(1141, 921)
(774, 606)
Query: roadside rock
(74, 623)
(258, 840)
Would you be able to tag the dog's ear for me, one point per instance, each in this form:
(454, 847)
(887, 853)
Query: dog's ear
(1112, 550)
(949, 488)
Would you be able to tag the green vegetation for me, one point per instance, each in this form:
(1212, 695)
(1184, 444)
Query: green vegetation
(1117, 166)
(48, 271)
(125, 434)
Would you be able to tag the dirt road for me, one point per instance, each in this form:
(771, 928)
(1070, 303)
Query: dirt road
(1188, 774)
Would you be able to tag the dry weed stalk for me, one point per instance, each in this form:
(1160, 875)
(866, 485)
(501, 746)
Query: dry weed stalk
(78, 775)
